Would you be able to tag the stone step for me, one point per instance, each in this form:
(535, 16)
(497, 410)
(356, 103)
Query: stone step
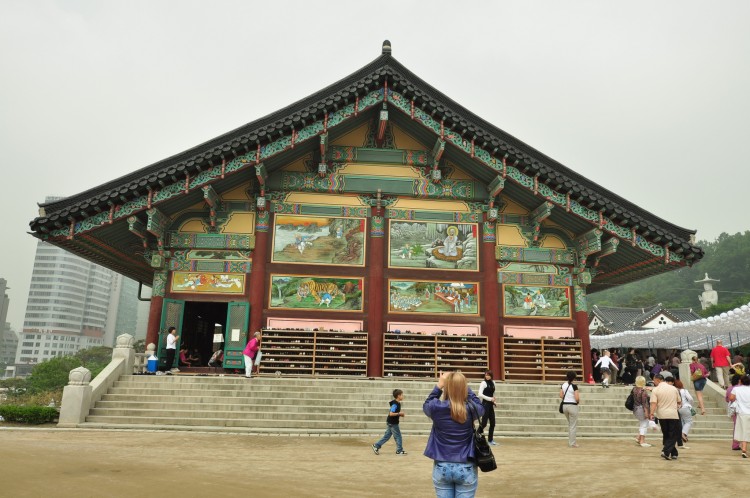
(270, 404)
(558, 429)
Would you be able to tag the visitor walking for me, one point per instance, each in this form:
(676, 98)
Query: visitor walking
(641, 410)
(733, 382)
(741, 395)
(570, 396)
(487, 394)
(721, 361)
(698, 374)
(392, 427)
(665, 403)
(606, 365)
(451, 441)
(686, 409)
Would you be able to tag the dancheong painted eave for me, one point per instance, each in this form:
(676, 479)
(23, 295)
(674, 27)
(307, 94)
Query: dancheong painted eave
(382, 81)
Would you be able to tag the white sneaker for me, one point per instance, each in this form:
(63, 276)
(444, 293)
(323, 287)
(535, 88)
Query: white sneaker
(645, 445)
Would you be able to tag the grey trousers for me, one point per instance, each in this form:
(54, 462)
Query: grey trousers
(571, 413)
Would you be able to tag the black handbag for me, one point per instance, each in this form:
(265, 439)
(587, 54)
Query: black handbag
(562, 401)
(482, 452)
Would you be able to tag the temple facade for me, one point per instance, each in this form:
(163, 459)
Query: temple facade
(374, 228)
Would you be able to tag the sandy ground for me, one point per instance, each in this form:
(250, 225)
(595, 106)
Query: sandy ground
(88, 463)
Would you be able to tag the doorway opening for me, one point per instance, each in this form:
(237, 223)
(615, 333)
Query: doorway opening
(203, 327)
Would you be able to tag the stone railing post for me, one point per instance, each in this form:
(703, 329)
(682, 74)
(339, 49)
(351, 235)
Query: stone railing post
(124, 349)
(76, 400)
(686, 358)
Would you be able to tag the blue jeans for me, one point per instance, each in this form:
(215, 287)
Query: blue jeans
(455, 480)
(395, 431)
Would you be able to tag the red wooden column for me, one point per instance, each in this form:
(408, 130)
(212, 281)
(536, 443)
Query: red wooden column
(490, 297)
(258, 272)
(158, 289)
(582, 328)
(374, 292)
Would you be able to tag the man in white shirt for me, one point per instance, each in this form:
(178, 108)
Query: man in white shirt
(171, 347)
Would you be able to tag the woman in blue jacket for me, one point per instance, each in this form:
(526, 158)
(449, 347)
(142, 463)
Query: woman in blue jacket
(451, 443)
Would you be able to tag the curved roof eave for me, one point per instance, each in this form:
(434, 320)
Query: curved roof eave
(340, 93)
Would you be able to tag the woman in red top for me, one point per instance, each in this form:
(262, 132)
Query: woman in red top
(699, 382)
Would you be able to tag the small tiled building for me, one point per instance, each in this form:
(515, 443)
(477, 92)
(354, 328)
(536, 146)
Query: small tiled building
(605, 320)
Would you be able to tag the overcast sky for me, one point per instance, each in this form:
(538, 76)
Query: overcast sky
(649, 99)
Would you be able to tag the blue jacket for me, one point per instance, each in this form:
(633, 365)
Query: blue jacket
(450, 441)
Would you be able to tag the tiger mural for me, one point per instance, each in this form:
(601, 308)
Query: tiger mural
(317, 289)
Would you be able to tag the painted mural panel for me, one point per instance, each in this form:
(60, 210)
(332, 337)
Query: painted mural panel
(536, 301)
(445, 297)
(319, 240)
(316, 293)
(208, 283)
(426, 244)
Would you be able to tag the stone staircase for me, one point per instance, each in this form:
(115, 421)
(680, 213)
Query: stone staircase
(353, 407)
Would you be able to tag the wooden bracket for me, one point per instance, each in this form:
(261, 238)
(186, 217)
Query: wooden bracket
(537, 216)
(609, 247)
(138, 229)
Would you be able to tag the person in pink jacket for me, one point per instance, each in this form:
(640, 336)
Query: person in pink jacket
(252, 354)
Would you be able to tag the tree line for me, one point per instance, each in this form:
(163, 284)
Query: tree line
(727, 259)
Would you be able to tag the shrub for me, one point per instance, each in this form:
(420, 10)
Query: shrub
(28, 414)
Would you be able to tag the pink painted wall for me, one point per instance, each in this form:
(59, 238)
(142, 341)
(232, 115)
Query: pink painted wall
(299, 323)
(431, 328)
(538, 332)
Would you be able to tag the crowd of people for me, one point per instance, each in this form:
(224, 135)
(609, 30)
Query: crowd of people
(660, 396)
(616, 367)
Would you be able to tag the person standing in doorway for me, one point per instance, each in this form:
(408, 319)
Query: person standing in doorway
(487, 395)
(252, 354)
(721, 361)
(665, 405)
(172, 338)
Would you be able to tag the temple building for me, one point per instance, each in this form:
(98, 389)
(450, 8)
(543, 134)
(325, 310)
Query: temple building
(605, 320)
(374, 228)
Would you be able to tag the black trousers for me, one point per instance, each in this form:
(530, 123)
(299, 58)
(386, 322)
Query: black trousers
(489, 414)
(671, 432)
(170, 359)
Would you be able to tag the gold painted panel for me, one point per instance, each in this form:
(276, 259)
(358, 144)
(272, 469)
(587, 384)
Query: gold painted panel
(193, 225)
(510, 235)
(323, 199)
(431, 205)
(355, 138)
(239, 222)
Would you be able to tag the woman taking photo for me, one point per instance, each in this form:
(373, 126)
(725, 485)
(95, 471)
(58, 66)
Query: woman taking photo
(451, 441)
(487, 395)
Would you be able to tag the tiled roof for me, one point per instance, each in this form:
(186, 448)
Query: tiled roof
(615, 319)
(344, 92)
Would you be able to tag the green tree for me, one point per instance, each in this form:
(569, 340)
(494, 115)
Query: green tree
(52, 374)
(721, 308)
(727, 259)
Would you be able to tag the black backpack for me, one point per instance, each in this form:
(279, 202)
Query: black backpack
(630, 401)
